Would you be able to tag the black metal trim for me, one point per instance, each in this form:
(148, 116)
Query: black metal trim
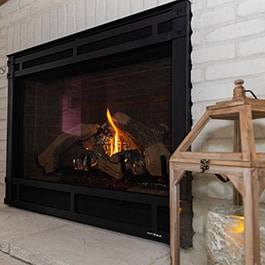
(140, 30)
(149, 231)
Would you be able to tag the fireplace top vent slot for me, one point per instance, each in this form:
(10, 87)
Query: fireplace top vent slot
(138, 31)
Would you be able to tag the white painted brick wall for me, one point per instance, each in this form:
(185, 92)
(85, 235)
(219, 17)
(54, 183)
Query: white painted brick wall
(214, 17)
(228, 43)
(214, 3)
(236, 69)
(237, 30)
(224, 49)
(213, 53)
(251, 47)
(251, 8)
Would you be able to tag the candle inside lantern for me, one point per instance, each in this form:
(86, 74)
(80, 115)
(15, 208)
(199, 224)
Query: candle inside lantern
(225, 235)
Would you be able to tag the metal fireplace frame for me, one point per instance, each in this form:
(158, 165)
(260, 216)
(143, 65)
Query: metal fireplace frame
(138, 214)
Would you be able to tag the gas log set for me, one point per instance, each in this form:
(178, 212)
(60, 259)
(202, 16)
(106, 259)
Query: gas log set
(122, 147)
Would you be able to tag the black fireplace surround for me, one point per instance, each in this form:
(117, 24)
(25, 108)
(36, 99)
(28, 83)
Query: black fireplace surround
(138, 67)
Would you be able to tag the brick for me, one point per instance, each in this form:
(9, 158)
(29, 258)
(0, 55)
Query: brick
(3, 65)
(45, 27)
(40, 7)
(3, 50)
(36, 30)
(111, 10)
(259, 135)
(136, 6)
(199, 107)
(3, 104)
(149, 4)
(59, 2)
(219, 190)
(237, 30)
(70, 14)
(3, 84)
(13, 38)
(2, 176)
(251, 7)
(100, 12)
(9, 7)
(2, 145)
(262, 197)
(211, 3)
(30, 33)
(197, 75)
(21, 14)
(211, 18)
(211, 54)
(53, 22)
(213, 91)
(80, 15)
(23, 3)
(161, 2)
(251, 47)
(123, 8)
(197, 6)
(3, 42)
(2, 172)
(3, 124)
(23, 35)
(90, 13)
(3, 113)
(205, 186)
(10, 41)
(197, 38)
(4, 23)
(2, 166)
(61, 20)
(236, 69)
(256, 84)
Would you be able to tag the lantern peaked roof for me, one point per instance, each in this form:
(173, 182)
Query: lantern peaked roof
(241, 109)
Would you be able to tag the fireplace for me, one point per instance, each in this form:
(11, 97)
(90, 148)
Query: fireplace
(92, 121)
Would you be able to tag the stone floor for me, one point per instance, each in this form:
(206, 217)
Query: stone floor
(31, 238)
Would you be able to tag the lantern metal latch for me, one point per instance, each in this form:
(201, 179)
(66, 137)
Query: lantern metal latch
(204, 165)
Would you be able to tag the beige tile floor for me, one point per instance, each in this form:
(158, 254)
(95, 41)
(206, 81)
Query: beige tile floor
(32, 238)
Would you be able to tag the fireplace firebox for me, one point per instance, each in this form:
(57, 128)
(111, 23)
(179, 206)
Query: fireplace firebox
(92, 121)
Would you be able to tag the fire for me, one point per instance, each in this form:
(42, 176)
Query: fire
(114, 146)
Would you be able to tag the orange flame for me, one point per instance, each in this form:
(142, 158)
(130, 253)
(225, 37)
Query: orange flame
(114, 146)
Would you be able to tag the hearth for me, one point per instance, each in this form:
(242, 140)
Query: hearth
(93, 119)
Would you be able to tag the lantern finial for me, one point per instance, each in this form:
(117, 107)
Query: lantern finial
(239, 90)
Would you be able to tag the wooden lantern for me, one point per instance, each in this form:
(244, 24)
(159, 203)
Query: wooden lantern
(245, 168)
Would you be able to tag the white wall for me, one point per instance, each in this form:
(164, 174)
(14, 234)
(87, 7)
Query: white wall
(228, 43)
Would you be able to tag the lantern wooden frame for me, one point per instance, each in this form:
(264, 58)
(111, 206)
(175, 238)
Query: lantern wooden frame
(244, 168)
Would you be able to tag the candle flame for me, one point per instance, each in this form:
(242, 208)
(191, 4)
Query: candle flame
(238, 226)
